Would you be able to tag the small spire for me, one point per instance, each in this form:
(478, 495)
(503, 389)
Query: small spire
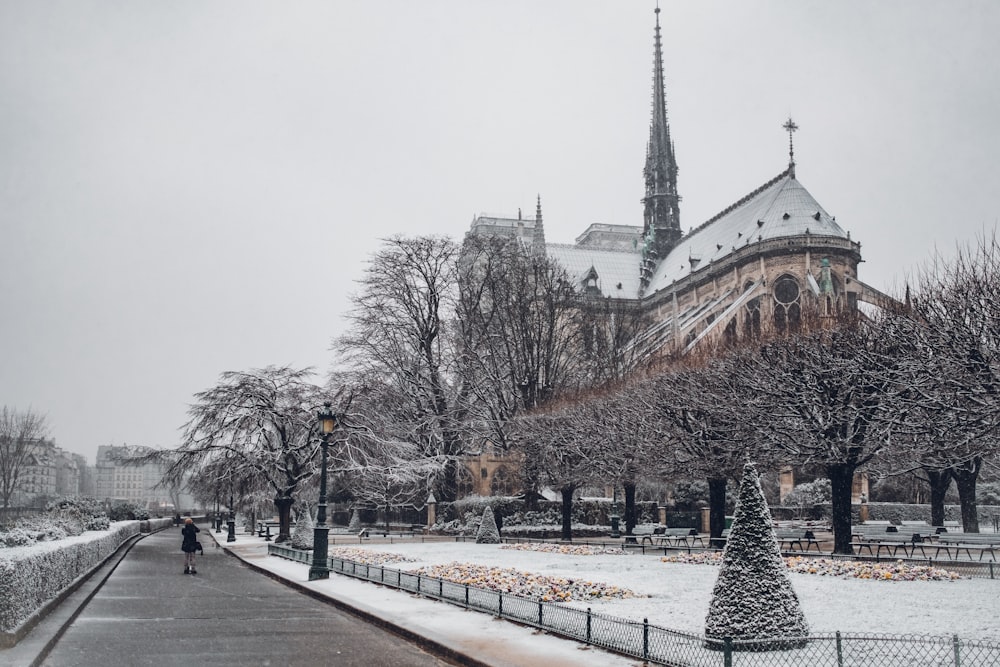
(538, 239)
(791, 127)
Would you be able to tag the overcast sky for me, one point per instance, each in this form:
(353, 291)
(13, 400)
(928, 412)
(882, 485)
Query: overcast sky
(192, 187)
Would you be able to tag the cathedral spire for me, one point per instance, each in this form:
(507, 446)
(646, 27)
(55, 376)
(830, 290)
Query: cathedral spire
(538, 237)
(661, 215)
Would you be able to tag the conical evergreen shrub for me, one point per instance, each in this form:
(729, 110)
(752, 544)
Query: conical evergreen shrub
(354, 525)
(753, 596)
(302, 536)
(488, 532)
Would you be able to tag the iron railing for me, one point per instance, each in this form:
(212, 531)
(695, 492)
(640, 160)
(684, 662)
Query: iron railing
(669, 647)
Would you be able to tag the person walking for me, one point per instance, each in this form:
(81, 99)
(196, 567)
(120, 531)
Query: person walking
(189, 545)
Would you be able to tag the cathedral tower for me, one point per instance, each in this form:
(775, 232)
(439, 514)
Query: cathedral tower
(661, 219)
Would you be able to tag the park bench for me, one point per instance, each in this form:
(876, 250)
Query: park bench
(264, 529)
(676, 537)
(908, 541)
(790, 538)
(968, 542)
(868, 532)
(644, 533)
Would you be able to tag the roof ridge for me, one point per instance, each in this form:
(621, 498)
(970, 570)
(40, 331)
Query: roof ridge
(743, 200)
(574, 246)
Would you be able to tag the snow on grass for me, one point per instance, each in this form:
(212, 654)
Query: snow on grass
(678, 594)
(528, 585)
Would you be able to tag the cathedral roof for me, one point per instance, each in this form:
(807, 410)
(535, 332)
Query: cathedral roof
(780, 208)
(617, 271)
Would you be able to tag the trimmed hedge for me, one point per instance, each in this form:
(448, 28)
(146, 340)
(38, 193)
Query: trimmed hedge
(30, 576)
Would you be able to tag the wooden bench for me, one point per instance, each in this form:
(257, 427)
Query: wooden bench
(968, 542)
(264, 529)
(796, 537)
(645, 532)
(910, 542)
(676, 537)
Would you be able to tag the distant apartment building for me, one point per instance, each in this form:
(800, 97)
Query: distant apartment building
(116, 480)
(49, 471)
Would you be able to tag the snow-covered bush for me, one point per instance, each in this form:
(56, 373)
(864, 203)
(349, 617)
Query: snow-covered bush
(99, 522)
(302, 535)
(354, 526)
(819, 492)
(488, 533)
(17, 537)
(32, 575)
(753, 596)
(128, 512)
(79, 505)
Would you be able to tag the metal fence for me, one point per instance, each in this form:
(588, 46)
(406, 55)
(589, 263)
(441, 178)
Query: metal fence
(669, 647)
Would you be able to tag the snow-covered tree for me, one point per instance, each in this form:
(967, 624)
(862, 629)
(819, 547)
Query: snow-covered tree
(753, 596)
(257, 428)
(400, 334)
(302, 536)
(488, 532)
(354, 525)
(20, 432)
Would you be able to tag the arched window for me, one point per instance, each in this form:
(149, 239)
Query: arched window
(503, 483)
(787, 310)
(463, 482)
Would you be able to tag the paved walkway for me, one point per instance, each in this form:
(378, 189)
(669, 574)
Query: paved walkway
(150, 613)
(246, 608)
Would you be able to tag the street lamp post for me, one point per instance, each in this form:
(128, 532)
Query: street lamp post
(231, 523)
(320, 566)
(218, 516)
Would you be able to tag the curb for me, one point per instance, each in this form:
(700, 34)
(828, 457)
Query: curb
(432, 646)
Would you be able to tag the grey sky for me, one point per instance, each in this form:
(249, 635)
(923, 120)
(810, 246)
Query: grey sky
(192, 187)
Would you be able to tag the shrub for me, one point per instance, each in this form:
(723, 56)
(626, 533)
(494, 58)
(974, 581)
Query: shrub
(17, 537)
(302, 535)
(100, 522)
(354, 525)
(753, 596)
(488, 532)
(812, 493)
(128, 512)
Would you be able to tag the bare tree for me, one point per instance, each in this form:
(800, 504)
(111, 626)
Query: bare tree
(20, 432)
(400, 333)
(561, 447)
(519, 320)
(254, 428)
(957, 312)
(830, 398)
(702, 409)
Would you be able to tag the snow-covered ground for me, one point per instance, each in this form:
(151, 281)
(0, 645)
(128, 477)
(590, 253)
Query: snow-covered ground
(676, 595)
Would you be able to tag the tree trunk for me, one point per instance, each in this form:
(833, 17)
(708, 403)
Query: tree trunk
(965, 481)
(939, 481)
(567, 513)
(716, 508)
(629, 507)
(284, 505)
(446, 488)
(841, 480)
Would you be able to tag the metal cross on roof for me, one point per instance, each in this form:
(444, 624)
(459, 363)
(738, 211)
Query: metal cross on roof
(790, 127)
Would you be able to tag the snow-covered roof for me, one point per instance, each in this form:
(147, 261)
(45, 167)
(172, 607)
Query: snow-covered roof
(617, 271)
(780, 208)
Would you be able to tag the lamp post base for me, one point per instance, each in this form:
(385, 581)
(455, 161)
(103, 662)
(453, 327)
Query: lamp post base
(320, 566)
(231, 530)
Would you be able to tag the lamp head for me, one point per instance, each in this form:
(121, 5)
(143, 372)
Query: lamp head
(327, 420)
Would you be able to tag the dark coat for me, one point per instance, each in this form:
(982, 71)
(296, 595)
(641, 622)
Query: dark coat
(190, 533)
